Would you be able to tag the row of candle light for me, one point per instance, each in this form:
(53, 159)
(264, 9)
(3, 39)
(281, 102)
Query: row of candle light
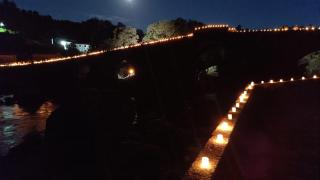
(212, 26)
(76, 57)
(205, 164)
(207, 161)
(271, 81)
(233, 29)
(281, 29)
(25, 63)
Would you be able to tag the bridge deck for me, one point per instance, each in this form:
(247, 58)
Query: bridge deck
(277, 135)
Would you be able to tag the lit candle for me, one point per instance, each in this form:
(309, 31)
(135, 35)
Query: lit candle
(315, 76)
(291, 79)
(205, 163)
(220, 139)
(250, 87)
(262, 82)
(281, 80)
(131, 72)
(224, 126)
(238, 105)
(230, 116)
(234, 109)
(303, 78)
(241, 99)
(271, 81)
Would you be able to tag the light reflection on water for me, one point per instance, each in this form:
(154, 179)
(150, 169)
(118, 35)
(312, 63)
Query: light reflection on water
(15, 123)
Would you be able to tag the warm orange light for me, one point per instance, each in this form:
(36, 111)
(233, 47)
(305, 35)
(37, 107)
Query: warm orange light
(303, 78)
(238, 105)
(224, 126)
(244, 95)
(271, 81)
(234, 109)
(220, 139)
(281, 80)
(262, 82)
(230, 116)
(205, 163)
(131, 71)
(241, 99)
(291, 79)
(315, 76)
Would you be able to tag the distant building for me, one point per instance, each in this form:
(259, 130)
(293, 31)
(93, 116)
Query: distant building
(2, 28)
(66, 44)
(83, 48)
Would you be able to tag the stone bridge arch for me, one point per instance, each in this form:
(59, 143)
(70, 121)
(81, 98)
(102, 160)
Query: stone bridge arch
(208, 59)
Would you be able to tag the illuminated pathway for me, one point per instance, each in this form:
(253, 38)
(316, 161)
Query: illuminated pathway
(208, 159)
(224, 27)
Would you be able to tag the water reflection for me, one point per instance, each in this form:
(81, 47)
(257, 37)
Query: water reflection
(15, 123)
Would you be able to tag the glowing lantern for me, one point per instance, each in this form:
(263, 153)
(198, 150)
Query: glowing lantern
(281, 80)
(224, 126)
(238, 105)
(220, 139)
(245, 92)
(291, 79)
(244, 96)
(315, 76)
(241, 99)
(271, 81)
(303, 78)
(230, 116)
(262, 82)
(234, 109)
(205, 163)
(252, 83)
(131, 72)
(250, 87)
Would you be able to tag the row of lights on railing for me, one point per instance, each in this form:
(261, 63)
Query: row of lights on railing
(233, 29)
(280, 30)
(207, 161)
(31, 62)
(210, 26)
(213, 26)
(271, 81)
(153, 42)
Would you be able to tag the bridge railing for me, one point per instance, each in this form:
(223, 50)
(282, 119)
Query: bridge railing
(165, 40)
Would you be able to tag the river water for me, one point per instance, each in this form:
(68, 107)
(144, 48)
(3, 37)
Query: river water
(15, 123)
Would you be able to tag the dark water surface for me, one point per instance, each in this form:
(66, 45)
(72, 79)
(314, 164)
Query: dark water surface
(16, 122)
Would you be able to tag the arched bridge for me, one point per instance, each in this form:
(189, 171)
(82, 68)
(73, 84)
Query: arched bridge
(174, 64)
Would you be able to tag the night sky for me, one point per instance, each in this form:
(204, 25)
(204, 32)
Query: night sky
(140, 13)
